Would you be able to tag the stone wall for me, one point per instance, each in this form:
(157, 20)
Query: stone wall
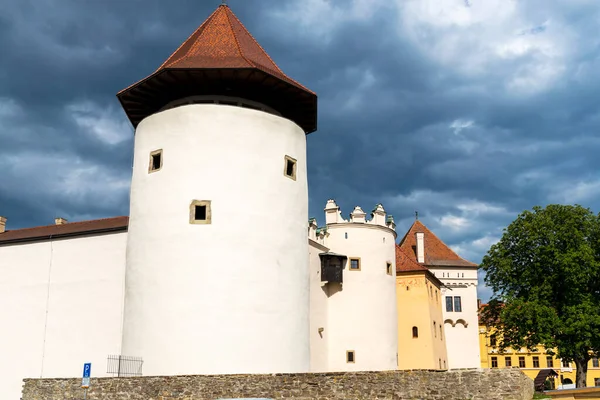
(496, 384)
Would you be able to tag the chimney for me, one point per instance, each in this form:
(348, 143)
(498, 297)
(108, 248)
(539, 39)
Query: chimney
(420, 247)
(60, 221)
(2, 224)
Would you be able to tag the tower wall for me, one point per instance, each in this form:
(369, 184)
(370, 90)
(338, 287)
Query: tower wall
(230, 296)
(362, 312)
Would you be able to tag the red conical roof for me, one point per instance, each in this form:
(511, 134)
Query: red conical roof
(222, 41)
(221, 58)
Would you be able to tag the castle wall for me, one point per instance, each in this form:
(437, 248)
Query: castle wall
(319, 326)
(496, 384)
(232, 295)
(62, 303)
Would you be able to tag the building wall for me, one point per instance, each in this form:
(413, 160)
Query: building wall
(318, 311)
(362, 311)
(461, 330)
(62, 304)
(565, 371)
(231, 296)
(418, 302)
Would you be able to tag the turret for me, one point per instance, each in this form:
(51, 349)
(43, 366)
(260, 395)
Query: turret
(217, 256)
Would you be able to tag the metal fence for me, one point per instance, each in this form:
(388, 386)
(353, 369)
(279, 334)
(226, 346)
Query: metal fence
(124, 366)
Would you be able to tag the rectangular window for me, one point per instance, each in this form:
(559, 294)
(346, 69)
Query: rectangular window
(536, 362)
(355, 264)
(449, 307)
(507, 362)
(549, 362)
(457, 304)
(350, 358)
(494, 362)
(521, 362)
(200, 212)
(596, 381)
(155, 161)
(289, 168)
(565, 364)
(594, 362)
(388, 268)
(493, 341)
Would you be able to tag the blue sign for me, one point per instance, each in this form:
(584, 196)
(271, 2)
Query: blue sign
(87, 368)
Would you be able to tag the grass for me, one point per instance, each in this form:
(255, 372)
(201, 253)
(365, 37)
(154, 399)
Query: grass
(538, 396)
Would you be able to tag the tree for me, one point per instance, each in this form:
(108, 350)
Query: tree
(545, 275)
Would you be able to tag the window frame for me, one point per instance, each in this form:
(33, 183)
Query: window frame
(549, 362)
(200, 203)
(508, 362)
(595, 362)
(357, 259)
(154, 153)
(451, 304)
(536, 361)
(494, 362)
(459, 308)
(348, 353)
(287, 159)
(522, 364)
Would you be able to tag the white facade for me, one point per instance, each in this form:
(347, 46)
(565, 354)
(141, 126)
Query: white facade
(195, 290)
(62, 306)
(361, 312)
(461, 328)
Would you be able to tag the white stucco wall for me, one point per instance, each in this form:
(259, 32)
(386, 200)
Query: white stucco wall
(318, 311)
(62, 303)
(462, 342)
(362, 315)
(232, 296)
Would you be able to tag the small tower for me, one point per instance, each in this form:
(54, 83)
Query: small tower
(361, 314)
(217, 255)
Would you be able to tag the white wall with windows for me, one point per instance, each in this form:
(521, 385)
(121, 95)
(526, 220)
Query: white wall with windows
(459, 310)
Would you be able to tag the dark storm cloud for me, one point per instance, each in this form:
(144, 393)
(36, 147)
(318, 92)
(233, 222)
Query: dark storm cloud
(469, 112)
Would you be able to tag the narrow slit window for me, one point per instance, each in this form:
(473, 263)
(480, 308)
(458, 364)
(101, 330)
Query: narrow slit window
(415, 332)
(156, 161)
(289, 169)
(355, 264)
(350, 357)
(388, 268)
(200, 212)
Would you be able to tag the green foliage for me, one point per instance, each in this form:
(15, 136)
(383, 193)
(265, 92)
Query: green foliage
(545, 274)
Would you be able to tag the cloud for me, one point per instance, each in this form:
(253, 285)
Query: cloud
(104, 123)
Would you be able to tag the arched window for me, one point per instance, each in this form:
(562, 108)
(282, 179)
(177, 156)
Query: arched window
(415, 332)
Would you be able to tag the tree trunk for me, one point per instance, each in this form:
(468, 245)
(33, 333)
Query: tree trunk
(581, 374)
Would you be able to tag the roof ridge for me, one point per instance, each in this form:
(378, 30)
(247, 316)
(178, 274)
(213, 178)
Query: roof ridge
(230, 13)
(237, 41)
(199, 29)
(68, 223)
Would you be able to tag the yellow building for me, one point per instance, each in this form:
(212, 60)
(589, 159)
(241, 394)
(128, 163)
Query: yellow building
(531, 363)
(421, 343)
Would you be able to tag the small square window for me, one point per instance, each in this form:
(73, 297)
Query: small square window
(289, 168)
(388, 268)
(350, 358)
(200, 212)
(355, 264)
(156, 160)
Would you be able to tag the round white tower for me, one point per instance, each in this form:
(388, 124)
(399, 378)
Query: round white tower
(362, 311)
(217, 254)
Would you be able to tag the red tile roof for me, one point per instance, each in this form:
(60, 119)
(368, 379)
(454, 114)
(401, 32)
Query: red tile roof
(68, 229)
(222, 41)
(405, 263)
(437, 253)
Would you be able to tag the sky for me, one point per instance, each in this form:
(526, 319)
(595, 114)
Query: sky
(469, 111)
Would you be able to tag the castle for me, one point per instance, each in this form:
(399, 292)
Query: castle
(208, 275)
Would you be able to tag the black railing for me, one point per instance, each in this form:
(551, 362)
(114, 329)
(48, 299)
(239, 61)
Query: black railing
(124, 366)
